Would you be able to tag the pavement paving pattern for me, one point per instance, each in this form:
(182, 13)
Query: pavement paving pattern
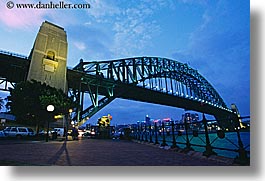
(95, 152)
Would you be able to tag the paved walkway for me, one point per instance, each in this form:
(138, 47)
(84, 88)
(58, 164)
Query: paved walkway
(96, 152)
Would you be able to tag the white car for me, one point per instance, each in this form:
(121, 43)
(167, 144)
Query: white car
(18, 132)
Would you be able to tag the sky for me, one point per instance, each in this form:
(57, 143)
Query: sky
(212, 36)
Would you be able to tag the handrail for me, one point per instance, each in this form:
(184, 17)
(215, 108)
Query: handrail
(13, 54)
(185, 137)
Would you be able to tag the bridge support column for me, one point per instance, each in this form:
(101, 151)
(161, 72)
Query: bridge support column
(79, 109)
(82, 101)
(49, 57)
(209, 151)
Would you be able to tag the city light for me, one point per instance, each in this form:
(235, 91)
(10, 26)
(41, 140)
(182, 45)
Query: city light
(58, 116)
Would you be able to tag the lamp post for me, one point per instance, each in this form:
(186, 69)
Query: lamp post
(156, 139)
(188, 146)
(164, 137)
(150, 134)
(50, 108)
(145, 132)
(174, 145)
(67, 123)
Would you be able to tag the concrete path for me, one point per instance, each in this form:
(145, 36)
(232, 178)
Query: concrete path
(96, 152)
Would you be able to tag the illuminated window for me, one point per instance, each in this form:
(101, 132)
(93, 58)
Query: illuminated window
(51, 55)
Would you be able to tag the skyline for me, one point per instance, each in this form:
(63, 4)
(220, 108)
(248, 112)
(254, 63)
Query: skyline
(212, 37)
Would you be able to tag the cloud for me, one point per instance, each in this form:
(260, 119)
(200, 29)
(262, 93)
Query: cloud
(88, 42)
(219, 49)
(135, 29)
(29, 19)
(114, 29)
(192, 1)
(131, 24)
(132, 36)
(100, 9)
(80, 45)
(21, 18)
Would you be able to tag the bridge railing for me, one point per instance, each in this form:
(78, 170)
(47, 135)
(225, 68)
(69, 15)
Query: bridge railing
(13, 54)
(204, 136)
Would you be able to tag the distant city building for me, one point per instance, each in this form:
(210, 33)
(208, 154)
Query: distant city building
(190, 117)
(147, 120)
(165, 120)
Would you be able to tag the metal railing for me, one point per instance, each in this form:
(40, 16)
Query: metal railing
(197, 136)
(13, 54)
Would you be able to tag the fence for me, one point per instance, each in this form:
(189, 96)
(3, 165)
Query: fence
(205, 136)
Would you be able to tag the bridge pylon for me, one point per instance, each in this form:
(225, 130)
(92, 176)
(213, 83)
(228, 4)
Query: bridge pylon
(49, 56)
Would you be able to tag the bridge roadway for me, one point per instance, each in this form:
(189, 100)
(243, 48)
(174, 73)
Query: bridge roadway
(93, 152)
(14, 68)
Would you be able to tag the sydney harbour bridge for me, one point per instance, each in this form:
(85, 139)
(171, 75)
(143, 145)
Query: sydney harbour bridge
(148, 79)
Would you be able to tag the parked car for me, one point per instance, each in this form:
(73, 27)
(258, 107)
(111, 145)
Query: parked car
(2, 134)
(6, 130)
(116, 135)
(59, 131)
(18, 132)
(89, 134)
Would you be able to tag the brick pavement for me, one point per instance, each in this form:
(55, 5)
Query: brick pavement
(96, 152)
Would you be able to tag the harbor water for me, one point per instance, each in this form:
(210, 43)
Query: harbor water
(230, 141)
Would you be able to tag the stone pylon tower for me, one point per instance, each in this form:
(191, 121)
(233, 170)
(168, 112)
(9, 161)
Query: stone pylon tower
(49, 56)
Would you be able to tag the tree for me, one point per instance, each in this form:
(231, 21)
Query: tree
(28, 101)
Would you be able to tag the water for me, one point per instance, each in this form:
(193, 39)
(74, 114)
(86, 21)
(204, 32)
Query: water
(229, 142)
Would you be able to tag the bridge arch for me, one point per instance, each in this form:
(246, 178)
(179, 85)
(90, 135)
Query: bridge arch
(151, 75)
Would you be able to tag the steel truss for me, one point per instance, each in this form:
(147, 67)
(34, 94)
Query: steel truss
(5, 85)
(157, 74)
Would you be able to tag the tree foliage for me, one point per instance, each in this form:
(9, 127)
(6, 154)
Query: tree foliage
(28, 101)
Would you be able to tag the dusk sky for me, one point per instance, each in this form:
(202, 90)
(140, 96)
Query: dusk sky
(212, 36)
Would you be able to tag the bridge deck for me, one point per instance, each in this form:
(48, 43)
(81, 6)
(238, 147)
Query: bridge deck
(93, 152)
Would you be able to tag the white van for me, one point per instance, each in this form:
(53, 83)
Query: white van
(18, 132)
(59, 131)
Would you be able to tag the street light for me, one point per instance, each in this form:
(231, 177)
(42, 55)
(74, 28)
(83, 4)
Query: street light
(67, 123)
(50, 108)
